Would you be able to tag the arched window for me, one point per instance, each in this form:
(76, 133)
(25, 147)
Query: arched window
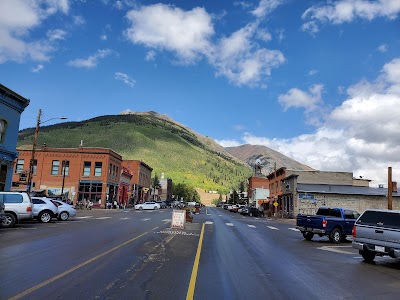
(3, 125)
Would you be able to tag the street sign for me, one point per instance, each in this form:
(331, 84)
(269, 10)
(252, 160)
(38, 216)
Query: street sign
(178, 219)
(276, 204)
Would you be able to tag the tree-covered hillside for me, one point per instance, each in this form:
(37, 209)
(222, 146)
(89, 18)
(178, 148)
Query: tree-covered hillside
(166, 146)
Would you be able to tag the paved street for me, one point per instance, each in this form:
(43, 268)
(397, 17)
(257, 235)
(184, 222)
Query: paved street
(127, 254)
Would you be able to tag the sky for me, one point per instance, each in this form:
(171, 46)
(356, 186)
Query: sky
(318, 81)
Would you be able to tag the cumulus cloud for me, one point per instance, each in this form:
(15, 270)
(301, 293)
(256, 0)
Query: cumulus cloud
(298, 98)
(228, 143)
(18, 19)
(344, 11)
(125, 78)
(186, 33)
(362, 135)
(265, 7)
(92, 61)
(189, 35)
(56, 34)
(150, 56)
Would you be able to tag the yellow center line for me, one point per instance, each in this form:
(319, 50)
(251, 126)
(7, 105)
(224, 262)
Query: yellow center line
(44, 283)
(192, 283)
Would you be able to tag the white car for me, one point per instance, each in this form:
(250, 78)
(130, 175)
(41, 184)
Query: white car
(65, 210)
(147, 205)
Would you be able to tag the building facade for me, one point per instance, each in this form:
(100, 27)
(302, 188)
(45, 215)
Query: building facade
(141, 180)
(77, 174)
(11, 107)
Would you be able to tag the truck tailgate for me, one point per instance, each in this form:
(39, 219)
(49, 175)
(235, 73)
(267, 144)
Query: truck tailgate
(311, 221)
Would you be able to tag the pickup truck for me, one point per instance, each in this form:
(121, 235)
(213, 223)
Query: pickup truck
(377, 233)
(336, 223)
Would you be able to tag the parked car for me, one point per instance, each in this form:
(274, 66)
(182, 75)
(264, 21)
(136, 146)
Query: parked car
(17, 207)
(336, 223)
(44, 209)
(2, 215)
(377, 233)
(65, 210)
(147, 205)
(254, 212)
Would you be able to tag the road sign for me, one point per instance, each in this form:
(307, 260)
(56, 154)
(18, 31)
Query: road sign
(145, 189)
(178, 219)
(276, 204)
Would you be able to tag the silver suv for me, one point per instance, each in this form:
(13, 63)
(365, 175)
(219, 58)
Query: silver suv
(17, 206)
(44, 209)
(377, 233)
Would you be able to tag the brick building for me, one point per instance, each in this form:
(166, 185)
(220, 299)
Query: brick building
(76, 173)
(140, 181)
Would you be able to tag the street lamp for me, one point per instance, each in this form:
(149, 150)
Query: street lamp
(31, 162)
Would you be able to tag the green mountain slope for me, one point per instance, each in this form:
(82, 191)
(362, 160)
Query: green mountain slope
(166, 146)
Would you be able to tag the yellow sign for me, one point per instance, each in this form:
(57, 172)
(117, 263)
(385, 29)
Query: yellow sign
(276, 204)
(145, 189)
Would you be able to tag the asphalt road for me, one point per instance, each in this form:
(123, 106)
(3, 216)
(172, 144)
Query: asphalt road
(127, 254)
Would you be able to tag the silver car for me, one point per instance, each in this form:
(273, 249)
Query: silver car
(17, 206)
(44, 209)
(65, 210)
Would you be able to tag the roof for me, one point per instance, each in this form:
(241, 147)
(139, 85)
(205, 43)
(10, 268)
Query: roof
(343, 189)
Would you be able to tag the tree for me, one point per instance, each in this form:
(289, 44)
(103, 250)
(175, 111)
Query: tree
(155, 182)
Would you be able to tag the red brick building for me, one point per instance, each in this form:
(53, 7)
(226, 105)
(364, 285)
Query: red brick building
(76, 173)
(140, 181)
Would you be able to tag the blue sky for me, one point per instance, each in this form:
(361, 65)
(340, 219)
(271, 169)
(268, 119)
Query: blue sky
(318, 81)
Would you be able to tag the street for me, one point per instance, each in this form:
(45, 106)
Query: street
(127, 254)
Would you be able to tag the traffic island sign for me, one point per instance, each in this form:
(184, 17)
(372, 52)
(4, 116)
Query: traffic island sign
(178, 219)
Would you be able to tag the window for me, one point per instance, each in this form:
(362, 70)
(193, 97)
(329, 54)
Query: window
(34, 166)
(65, 168)
(109, 170)
(97, 168)
(38, 201)
(12, 198)
(3, 125)
(350, 214)
(55, 167)
(20, 166)
(86, 168)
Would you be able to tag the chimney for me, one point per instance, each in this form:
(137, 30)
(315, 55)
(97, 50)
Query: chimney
(394, 186)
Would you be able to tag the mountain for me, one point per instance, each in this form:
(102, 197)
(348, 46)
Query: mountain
(167, 146)
(267, 158)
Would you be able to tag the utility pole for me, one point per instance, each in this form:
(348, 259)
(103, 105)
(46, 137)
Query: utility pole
(390, 189)
(31, 162)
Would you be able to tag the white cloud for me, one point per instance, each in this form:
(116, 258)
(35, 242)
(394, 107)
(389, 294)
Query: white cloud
(56, 34)
(103, 37)
(92, 61)
(383, 48)
(18, 19)
(125, 78)
(264, 35)
(228, 143)
(78, 20)
(298, 98)
(186, 33)
(362, 135)
(342, 11)
(312, 72)
(265, 7)
(150, 56)
(37, 69)
(310, 27)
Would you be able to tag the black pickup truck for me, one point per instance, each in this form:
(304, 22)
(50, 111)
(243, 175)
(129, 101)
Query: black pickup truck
(336, 223)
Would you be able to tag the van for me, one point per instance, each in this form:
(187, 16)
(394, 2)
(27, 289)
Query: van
(17, 207)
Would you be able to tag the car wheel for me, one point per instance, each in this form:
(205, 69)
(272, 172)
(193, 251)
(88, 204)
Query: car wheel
(335, 236)
(368, 255)
(44, 217)
(250, 214)
(63, 216)
(140, 208)
(308, 235)
(9, 220)
(155, 207)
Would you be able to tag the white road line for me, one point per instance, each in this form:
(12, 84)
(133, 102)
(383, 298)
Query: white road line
(85, 217)
(256, 218)
(145, 219)
(125, 218)
(229, 224)
(167, 220)
(333, 249)
(102, 218)
(208, 223)
(251, 226)
(219, 215)
(294, 229)
(273, 228)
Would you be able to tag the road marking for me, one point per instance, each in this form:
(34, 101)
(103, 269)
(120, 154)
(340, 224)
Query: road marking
(273, 228)
(85, 217)
(294, 229)
(229, 224)
(251, 226)
(103, 218)
(145, 219)
(256, 218)
(192, 283)
(125, 218)
(208, 223)
(51, 280)
(333, 249)
(175, 232)
(167, 220)
(219, 215)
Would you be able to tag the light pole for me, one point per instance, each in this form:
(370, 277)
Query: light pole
(35, 136)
